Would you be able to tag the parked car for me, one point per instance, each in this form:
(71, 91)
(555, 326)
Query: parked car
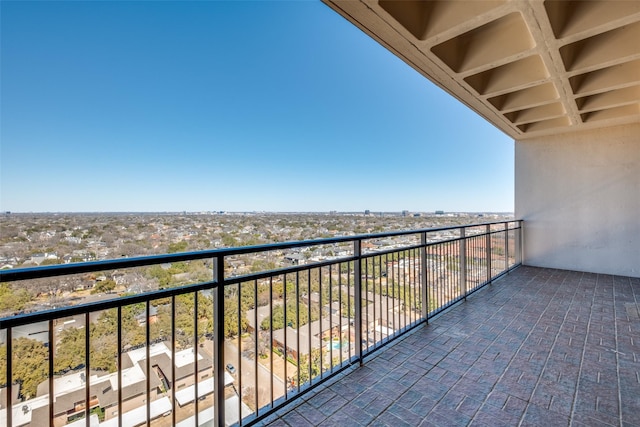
(231, 368)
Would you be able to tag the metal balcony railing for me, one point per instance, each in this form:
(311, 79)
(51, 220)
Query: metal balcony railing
(236, 345)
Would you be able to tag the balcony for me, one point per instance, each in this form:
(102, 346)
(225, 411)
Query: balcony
(236, 347)
(343, 340)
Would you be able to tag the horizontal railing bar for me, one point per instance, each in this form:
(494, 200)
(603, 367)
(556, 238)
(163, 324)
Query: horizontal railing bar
(93, 266)
(285, 270)
(392, 250)
(56, 313)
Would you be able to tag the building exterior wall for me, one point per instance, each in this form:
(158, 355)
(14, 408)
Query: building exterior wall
(579, 195)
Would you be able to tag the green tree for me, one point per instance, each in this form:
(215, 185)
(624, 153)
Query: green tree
(104, 286)
(3, 365)
(178, 267)
(292, 320)
(161, 275)
(348, 306)
(13, 299)
(303, 366)
(29, 362)
(231, 319)
(184, 320)
(70, 349)
(177, 247)
(262, 265)
(229, 241)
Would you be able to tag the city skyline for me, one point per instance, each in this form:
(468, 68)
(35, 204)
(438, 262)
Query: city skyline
(223, 106)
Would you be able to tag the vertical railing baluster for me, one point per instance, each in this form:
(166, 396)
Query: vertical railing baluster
(9, 377)
(119, 362)
(463, 262)
(173, 360)
(357, 248)
(455, 286)
(366, 292)
(218, 342)
(404, 286)
(50, 369)
(379, 258)
(478, 257)
(395, 293)
(386, 261)
(416, 270)
(330, 322)
(148, 363)
(449, 277)
(239, 367)
(340, 314)
(309, 326)
(398, 297)
(255, 344)
(488, 254)
(196, 405)
(424, 294)
(477, 261)
(401, 288)
(320, 308)
(298, 329)
(351, 327)
(286, 325)
(506, 246)
(474, 257)
(87, 370)
(446, 277)
(271, 338)
(437, 280)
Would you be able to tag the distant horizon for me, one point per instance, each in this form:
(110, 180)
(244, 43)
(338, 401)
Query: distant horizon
(330, 212)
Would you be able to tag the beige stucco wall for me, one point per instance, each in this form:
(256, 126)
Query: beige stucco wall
(579, 195)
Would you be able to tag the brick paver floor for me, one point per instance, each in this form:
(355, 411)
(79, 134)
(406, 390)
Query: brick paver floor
(538, 347)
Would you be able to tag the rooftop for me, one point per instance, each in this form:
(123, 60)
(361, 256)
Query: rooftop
(536, 347)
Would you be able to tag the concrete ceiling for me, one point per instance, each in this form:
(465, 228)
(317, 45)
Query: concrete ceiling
(530, 67)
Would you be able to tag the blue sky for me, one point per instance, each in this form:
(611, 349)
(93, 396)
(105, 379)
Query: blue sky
(235, 106)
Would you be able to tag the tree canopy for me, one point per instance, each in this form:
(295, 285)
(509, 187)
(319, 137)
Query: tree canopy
(13, 299)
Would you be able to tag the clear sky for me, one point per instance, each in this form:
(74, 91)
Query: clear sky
(234, 106)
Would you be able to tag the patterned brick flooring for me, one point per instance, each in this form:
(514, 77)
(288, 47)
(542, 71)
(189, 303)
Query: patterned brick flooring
(539, 347)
